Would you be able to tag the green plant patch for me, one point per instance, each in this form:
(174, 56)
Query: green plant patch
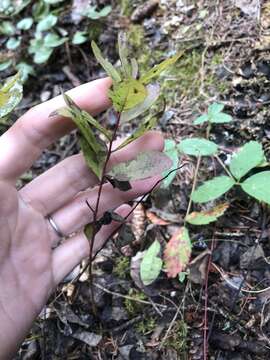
(212, 189)
(198, 147)
(258, 186)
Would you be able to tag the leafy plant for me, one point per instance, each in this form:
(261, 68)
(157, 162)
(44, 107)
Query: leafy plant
(10, 94)
(214, 115)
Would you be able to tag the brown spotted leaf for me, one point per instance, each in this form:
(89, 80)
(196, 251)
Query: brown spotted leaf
(145, 165)
(206, 217)
(177, 252)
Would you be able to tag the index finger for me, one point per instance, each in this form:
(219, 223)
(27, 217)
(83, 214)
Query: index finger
(23, 143)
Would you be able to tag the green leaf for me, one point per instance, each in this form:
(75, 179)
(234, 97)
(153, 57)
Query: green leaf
(53, 40)
(153, 91)
(13, 43)
(93, 14)
(220, 118)
(170, 149)
(151, 264)
(206, 217)
(80, 37)
(158, 69)
(88, 118)
(42, 55)
(177, 252)
(145, 126)
(94, 161)
(10, 94)
(201, 119)
(198, 147)
(215, 109)
(123, 54)
(212, 189)
(258, 187)
(145, 165)
(5, 64)
(25, 24)
(52, 2)
(127, 94)
(47, 23)
(7, 28)
(107, 66)
(25, 70)
(249, 156)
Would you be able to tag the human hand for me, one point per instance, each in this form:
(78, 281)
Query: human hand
(30, 266)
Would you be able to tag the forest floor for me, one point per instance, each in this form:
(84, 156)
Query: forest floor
(221, 309)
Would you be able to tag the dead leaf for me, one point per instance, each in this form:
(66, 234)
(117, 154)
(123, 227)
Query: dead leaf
(155, 219)
(197, 267)
(177, 252)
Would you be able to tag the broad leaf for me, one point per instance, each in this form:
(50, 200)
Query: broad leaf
(170, 149)
(127, 94)
(249, 156)
(258, 186)
(198, 147)
(145, 165)
(177, 252)
(10, 94)
(215, 109)
(150, 99)
(206, 217)
(94, 14)
(220, 118)
(25, 24)
(145, 126)
(201, 119)
(158, 69)
(212, 189)
(151, 264)
(47, 23)
(53, 40)
(80, 37)
(107, 66)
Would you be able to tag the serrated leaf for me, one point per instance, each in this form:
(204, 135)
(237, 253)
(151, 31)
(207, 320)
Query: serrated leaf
(127, 94)
(150, 99)
(201, 119)
(87, 117)
(95, 161)
(10, 94)
(198, 147)
(220, 118)
(107, 66)
(177, 252)
(212, 189)
(158, 69)
(215, 109)
(170, 149)
(145, 126)
(151, 264)
(145, 165)
(258, 187)
(208, 216)
(249, 156)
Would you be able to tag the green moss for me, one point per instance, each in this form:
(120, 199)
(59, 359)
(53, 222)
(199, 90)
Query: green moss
(146, 326)
(177, 338)
(134, 307)
(121, 267)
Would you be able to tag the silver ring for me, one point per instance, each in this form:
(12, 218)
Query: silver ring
(55, 227)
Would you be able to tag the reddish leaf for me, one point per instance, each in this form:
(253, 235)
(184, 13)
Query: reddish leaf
(177, 252)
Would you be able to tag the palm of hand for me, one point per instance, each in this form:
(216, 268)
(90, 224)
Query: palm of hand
(30, 264)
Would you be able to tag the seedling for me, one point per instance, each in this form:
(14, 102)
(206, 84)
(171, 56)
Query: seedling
(214, 115)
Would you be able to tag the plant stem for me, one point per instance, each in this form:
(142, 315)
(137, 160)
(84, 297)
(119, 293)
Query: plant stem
(95, 214)
(224, 167)
(193, 186)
